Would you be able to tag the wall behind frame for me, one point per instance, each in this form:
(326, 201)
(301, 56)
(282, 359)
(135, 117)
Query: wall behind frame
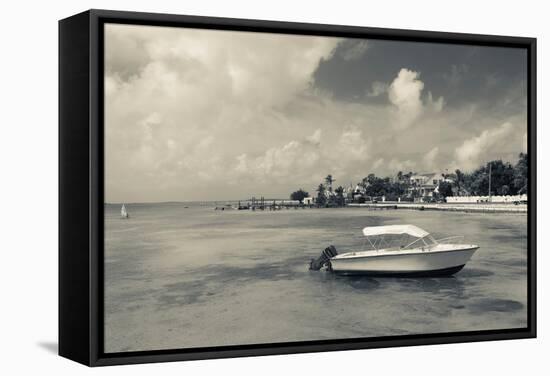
(28, 148)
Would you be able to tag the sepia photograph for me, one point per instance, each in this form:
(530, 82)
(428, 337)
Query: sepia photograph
(264, 188)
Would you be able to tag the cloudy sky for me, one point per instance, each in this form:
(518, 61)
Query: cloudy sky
(213, 115)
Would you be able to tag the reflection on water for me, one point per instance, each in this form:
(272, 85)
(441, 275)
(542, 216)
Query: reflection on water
(189, 277)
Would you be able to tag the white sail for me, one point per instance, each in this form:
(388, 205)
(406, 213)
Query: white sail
(123, 212)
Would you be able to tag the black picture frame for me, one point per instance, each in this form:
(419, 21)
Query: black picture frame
(81, 187)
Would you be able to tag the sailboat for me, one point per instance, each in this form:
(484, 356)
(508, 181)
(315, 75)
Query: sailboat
(123, 213)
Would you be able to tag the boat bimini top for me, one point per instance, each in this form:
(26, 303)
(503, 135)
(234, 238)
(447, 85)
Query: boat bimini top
(395, 230)
(410, 230)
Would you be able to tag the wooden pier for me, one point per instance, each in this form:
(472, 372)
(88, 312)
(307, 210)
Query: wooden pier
(270, 204)
(260, 204)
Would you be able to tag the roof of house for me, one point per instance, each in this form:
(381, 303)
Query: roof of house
(428, 175)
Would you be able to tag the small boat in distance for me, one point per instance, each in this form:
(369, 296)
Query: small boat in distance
(420, 256)
(123, 213)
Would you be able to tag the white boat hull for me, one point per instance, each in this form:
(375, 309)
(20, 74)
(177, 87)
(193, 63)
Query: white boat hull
(442, 260)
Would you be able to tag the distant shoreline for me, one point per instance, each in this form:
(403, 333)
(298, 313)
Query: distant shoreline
(194, 202)
(449, 207)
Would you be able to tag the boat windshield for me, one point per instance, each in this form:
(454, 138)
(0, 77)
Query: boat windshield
(397, 237)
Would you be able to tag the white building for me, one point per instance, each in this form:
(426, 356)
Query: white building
(426, 184)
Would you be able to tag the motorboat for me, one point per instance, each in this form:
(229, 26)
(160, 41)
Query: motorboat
(417, 253)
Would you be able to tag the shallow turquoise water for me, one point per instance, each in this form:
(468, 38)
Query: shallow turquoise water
(179, 277)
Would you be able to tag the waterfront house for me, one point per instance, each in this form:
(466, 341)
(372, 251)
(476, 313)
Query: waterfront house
(425, 185)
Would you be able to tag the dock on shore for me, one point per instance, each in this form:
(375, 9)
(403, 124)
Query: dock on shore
(262, 204)
(468, 208)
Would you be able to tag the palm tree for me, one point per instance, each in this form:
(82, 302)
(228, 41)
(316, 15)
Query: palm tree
(340, 195)
(321, 188)
(321, 198)
(329, 181)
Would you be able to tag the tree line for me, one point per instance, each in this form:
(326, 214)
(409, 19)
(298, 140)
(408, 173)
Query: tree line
(505, 179)
(326, 195)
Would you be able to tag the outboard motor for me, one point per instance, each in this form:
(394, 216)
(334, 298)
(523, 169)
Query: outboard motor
(324, 259)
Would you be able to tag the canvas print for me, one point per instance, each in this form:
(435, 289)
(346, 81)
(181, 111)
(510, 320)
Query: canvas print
(267, 188)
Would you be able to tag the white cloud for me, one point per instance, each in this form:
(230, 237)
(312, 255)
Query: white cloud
(479, 149)
(181, 103)
(377, 164)
(435, 105)
(297, 159)
(404, 93)
(396, 165)
(430, 158)
(201, 114)
(315, 138)
(352, 147)
(283, 162)
(357, 50)
(377, 88)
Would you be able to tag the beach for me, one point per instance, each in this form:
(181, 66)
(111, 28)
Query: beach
(182, 275)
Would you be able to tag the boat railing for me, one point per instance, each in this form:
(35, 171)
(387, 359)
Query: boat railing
(426, 242)
(449, 238)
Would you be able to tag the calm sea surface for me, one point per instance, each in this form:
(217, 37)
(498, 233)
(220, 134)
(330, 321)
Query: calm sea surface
(178, 277)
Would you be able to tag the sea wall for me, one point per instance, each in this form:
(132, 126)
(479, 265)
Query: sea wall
(479, 199)
(502, 207)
